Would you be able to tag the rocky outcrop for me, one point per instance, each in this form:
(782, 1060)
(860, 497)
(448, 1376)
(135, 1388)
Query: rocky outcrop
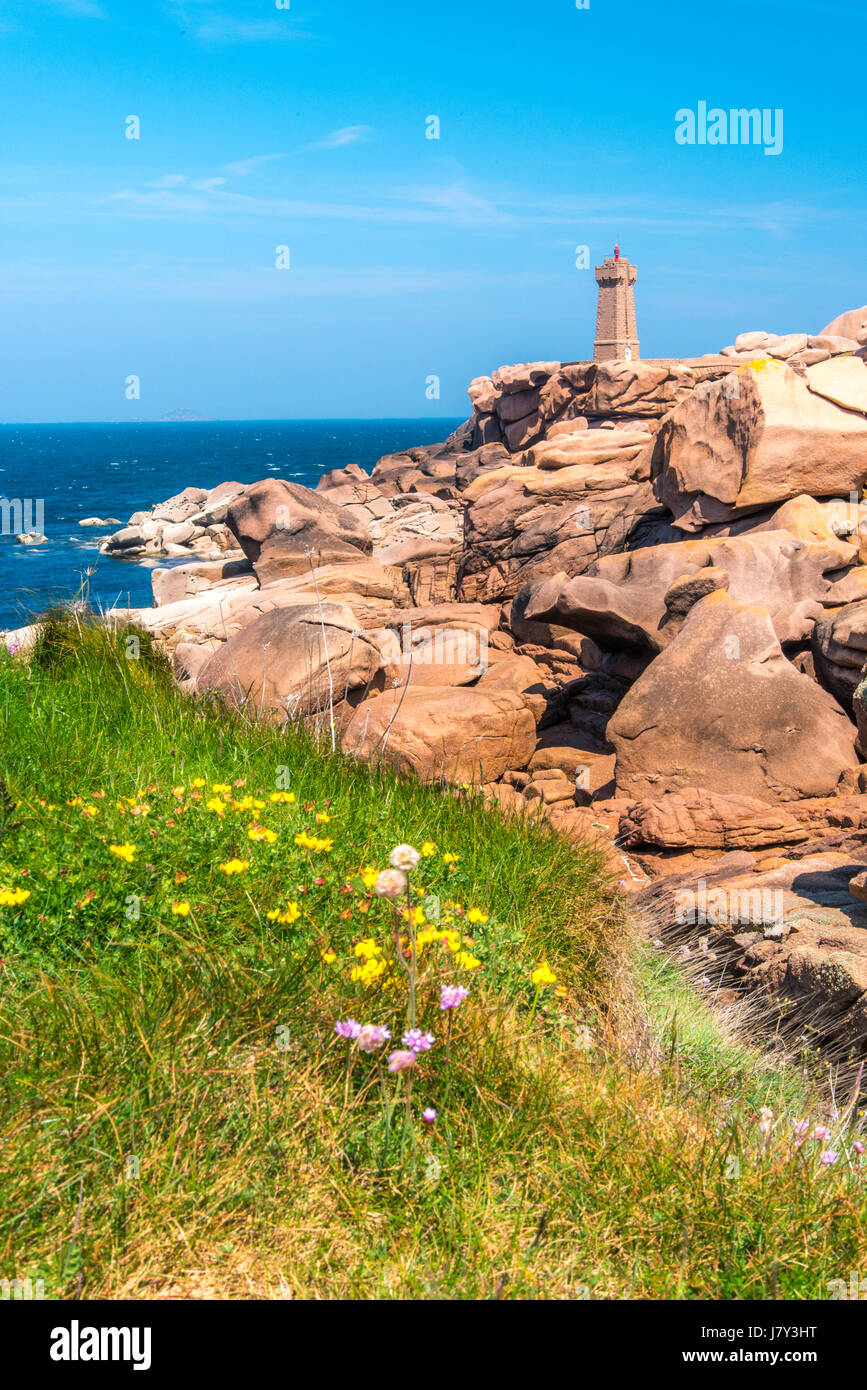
(721, 708)
(761, 435)
(637, 600)
(523, 522)
(447, 734)
(696, 818)
(285, 530)
(293, 662)
(192, 523)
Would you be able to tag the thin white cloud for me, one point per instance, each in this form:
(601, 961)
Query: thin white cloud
(242, 167)
(336, 139)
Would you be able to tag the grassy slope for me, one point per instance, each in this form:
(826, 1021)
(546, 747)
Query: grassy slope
(568, 1157)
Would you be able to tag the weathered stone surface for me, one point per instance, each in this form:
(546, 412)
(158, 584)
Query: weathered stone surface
(456, 735)
(839, 645)
(721, 708)
(859, 708)
(517, 405)
(747, 342)
(847, 325)
(285, 530)
(761, 436)
(525, 522)
(293, 662)
(368, 588)
(483, 394)
(699, 819)
(686, 591)
(567, 748)
(523, 375)
(588, 448)
(785, 345)
(179, 508)
(185, 581)
(621, 600)
(832, 343)
(638, 388)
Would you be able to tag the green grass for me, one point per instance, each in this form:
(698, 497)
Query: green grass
(180, 1119)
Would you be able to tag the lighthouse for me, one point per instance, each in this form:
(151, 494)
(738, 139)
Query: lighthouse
(616, 333)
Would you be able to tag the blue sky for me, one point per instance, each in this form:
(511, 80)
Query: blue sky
(409, 257)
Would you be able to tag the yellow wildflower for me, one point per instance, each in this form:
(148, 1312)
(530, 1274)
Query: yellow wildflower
(328, 956)
(13, 897)
(88, 810)
(126, 852)
(198, 781)
(261, 832)
(367, 948)
(215, 804)
(180, 909)
(177, 791)
(369, 877)
(474, 915)
(449, 858)
(543, 975)
(468, 960)
(221, 788)
(323, 817)
(417, 916)
(305, 841)
(292, 913)
(428, 848)
(370, 971)
(235, 866)
(287, 797)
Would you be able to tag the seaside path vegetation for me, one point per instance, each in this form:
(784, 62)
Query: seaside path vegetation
(518, 1102)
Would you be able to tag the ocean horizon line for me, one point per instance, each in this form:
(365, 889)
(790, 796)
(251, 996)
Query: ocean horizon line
(244, 420)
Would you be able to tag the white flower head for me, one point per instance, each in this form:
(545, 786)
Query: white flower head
(404, 857)
(390, 883)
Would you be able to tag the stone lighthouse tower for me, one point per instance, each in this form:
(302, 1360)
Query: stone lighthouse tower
(616, 333)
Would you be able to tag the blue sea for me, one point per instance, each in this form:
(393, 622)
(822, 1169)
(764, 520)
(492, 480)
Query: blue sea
(113, 470)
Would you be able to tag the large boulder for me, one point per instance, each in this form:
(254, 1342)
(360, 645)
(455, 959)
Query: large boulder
(293, 662)
(760, 435)
(285, 529)
(722, 708)
(638, 389)
(522, 523)
(455, 734)
(848, 324)
(635, 599)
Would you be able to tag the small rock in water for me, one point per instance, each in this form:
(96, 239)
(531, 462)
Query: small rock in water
(31, 538)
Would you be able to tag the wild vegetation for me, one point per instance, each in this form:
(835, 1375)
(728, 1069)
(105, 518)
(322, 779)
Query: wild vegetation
(274, 1023)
